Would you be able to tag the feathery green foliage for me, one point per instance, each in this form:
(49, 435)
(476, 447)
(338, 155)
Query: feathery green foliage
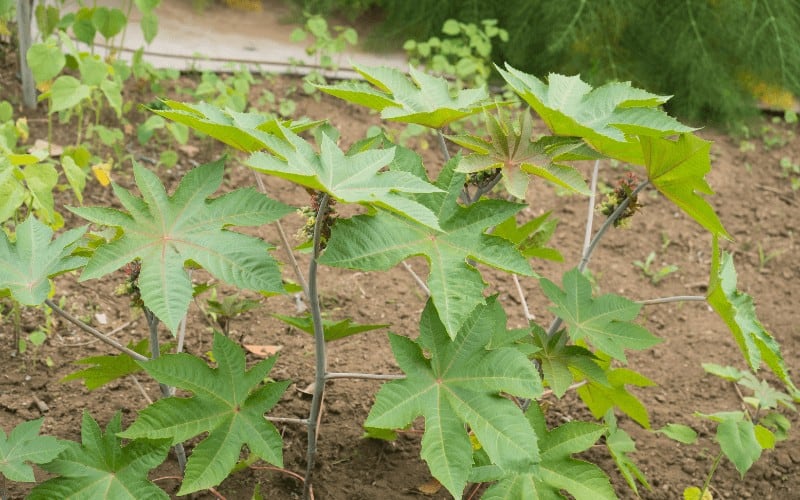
(709, 54)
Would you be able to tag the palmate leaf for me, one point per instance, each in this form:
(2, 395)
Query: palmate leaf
(609, 118)
(531, 237)
(620, 444)
(425, 100)
(23, 445)
(166, 231)
(243, 131)
(27, 265)
(110, 367)
(380, 241)
(228, 402)
(557, 471)
(512, 149)
(605, 321)
(558, 360)
(460, 384)
(334, 330)
(738, 312)
(100, 467)
(601, 396)
(677, 169)
(351, 178)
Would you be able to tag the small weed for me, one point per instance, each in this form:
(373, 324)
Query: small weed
(791, 170)
(655, 275)
(764, 257)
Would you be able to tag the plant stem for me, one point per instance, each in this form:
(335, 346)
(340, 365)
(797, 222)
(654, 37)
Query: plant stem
(707, 482)
(677, 298)
(288, 420)
(521, 293)
(319, 349)
(482, 190)
(166, 391)
(92, 331)
(443, 145)
(417, 279)
(285, 242)
(365, 376)
(587, 252)
(590, 213)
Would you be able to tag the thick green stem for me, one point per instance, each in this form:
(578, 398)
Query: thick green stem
(319, 349)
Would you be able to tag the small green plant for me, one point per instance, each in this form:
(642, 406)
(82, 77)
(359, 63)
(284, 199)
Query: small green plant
(228, 91)
(465, 52)
(655, 276)
(744, 435)
(764, 257)
(224, 311)
(327, 47)
(791, 170)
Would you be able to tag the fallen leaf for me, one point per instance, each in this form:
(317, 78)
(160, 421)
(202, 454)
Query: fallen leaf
(189, 150)
(263, 351)
(42, 145)
(430, 488)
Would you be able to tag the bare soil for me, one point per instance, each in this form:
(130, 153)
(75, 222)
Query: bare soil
(754, 200)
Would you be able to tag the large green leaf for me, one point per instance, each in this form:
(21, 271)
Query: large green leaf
(228, 403)
(165, 231)
(27, 264)
(677, 169)
(737, 439)
(557, 471)
(605, 321)
(351, 178)
(738, 312)
(100, 467)
(22, 445)
(512, 149)
(609, 117)
(425, 100)
(380, 241)
(66, 92)
(243, 131)
(46, 60)
(461, 384)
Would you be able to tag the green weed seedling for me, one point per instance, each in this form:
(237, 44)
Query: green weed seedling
(791, 170)
(655, 276)
(478, 384)
(764, 258)
(224, 311)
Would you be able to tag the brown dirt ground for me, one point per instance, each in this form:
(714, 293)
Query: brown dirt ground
(754, 201)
